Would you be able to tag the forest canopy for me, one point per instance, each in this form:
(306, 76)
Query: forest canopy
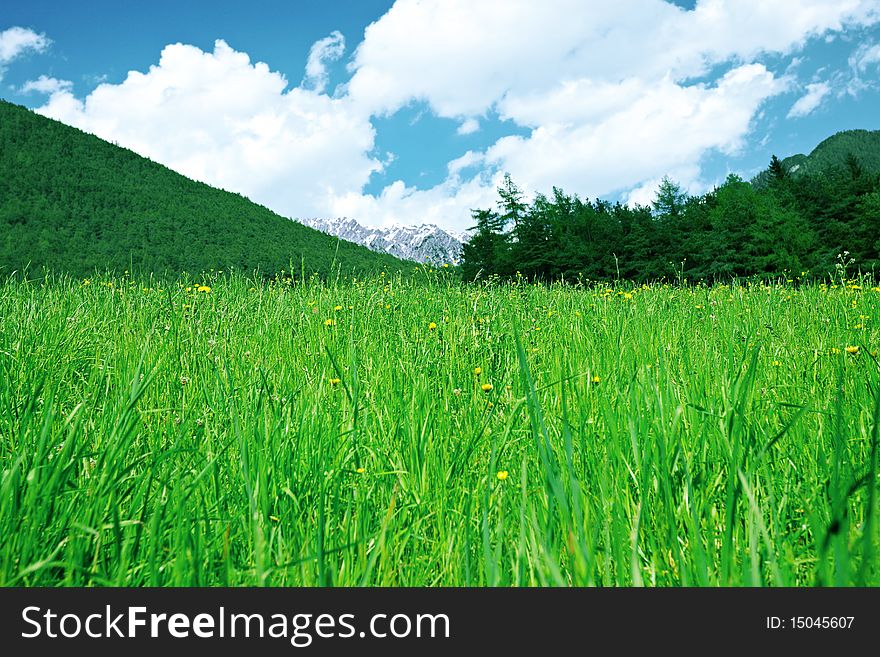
(74, 203)
(798, 216)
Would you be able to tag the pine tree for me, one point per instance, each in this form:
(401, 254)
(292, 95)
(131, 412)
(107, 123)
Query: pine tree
(482, 254)
(670, 199)
(777, 169)
(511, 203)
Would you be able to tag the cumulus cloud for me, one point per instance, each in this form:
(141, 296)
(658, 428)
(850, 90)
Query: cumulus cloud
(613, 100)
(656, 129)
(448, 204)
(813, 97)
(462, 57)
(328, 49)
(219, 118)
(45, 85)
(16, 41)
(623, 92)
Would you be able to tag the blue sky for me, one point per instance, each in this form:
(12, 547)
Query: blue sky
(412, 110)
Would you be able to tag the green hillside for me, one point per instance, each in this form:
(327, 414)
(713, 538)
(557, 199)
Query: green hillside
(834, 153)
(75, 203)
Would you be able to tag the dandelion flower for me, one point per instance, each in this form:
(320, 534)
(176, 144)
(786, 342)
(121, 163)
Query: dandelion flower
(502, 475)
(432, 326)
(478, 370)
(852, 349)
(486, 387)
(337, 308)
(361, 470)
(596, 378)
(335, 381)
(203, 288)
(329, 322)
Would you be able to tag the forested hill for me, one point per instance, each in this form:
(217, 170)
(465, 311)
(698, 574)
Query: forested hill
(75, 203)
(841, 150)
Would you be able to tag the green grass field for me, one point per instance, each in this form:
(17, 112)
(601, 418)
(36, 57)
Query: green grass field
(416, 431)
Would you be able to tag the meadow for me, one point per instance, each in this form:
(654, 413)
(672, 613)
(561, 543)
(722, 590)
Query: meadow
(416, 431)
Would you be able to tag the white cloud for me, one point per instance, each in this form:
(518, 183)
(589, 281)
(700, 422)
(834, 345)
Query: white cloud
(612, 99)
(469, 159)
(17, 40)
(866, 55)
(448, 204)
(218, 117)
(462, 57)
(45, 85)
(656, 129)
(613, 93)
(328, 49)
(813, 97)
(468, 126)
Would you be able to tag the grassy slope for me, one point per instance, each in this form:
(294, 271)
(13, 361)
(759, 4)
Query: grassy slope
(661, 436)
(74, 203)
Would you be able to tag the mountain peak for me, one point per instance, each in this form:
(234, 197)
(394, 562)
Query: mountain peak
(425, 243)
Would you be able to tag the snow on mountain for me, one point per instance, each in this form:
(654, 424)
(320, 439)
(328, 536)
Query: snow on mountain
(426, 243)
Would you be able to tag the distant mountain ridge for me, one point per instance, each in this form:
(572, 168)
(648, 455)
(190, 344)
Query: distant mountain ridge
(75, 203)
(426, 243)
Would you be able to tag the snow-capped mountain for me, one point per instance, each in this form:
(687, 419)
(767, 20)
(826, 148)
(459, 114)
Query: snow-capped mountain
(426, 243)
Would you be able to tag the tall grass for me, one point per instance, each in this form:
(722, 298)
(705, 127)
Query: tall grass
(157, 434)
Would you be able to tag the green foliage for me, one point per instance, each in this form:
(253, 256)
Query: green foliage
(787, 220)
(840, 151)
(154, 435)
(72, 202)
(670, 199)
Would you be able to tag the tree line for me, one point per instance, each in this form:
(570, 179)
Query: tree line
(779, 224)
